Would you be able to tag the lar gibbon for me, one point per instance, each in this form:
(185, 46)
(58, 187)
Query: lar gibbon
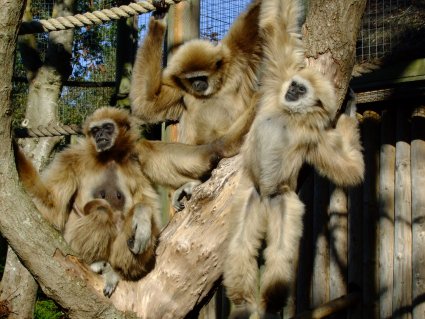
(205, 87)
(293, 125)
(101, 193)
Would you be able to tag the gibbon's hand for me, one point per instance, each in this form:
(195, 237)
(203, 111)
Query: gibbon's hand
(161, 9)
(184, 191)
(142, 229)
(351, 107)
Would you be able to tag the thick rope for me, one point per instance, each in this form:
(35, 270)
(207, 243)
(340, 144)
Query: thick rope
(47, 131)
(90, 18)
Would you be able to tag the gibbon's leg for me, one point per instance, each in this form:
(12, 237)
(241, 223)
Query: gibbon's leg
(182, 192)
(240, 267)
(284, 230)
(142, 228)
(111, 277)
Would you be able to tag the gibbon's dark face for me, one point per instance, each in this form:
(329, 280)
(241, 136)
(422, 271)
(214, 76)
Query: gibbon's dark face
(295, 91)
(104, 134)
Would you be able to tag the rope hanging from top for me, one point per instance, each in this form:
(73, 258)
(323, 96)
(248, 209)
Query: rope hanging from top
(90, 18)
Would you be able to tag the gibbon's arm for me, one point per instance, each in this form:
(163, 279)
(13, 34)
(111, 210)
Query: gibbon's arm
(243, 36)
(339, 156)
(51, 193)
(175, 164)
(151, 99)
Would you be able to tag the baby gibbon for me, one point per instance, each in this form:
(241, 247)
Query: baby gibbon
(205, 87)
(293, 125)
(100, 193)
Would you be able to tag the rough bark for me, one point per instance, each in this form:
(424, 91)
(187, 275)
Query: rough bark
(192, 247)
(330, 33)
(46, 80)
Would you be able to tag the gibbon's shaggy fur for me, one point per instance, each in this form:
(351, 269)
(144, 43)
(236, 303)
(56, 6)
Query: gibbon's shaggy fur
(205, 87)
(100, 192)
(293, 125)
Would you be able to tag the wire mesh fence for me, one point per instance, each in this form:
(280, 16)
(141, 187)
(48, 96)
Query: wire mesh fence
(391, 29)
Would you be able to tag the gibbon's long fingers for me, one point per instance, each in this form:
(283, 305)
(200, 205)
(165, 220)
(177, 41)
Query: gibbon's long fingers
(142, 228)
(247, 231)
(184, 191)
(284, 230)
(339, 156)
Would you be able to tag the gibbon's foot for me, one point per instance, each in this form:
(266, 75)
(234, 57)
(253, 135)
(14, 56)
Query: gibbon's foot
(184, 191)
(275, 296)
(161, 8)
(244, 311)
(111, 282)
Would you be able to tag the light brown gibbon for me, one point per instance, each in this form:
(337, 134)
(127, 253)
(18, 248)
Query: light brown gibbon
(294, 125)
(205, 87)
(100, 193)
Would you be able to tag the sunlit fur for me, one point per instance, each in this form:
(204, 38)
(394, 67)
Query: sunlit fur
(100, 200)
(284, 135)
(231, 68)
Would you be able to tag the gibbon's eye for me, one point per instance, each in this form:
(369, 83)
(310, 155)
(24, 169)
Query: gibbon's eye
(94, 130)
(199, 83)
(102, 194)
(108, 127)
(119, 196)
(302, 89)
(218, 64)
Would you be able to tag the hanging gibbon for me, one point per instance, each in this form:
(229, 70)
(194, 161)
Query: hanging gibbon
(100, 193)
(293, 125)
(205, 87)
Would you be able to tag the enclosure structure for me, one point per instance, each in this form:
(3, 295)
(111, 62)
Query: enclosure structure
(371, 245)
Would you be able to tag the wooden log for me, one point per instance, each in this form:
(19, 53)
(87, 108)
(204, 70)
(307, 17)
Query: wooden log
(370, 285)
(402, 297)
(320, 281)
(417, 151)
(386, 213)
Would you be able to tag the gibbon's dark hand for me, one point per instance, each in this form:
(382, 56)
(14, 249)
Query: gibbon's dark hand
(161, 9)
(184, 191)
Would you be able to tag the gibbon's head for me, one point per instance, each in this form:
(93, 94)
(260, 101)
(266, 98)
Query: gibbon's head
(110, 129)
(199, 67)
(309, 92)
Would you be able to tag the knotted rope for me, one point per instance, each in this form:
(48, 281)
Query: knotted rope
(90, 18)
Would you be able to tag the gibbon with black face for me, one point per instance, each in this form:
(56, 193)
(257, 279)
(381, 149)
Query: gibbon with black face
(100, 193)
(205, 87)
(293, 125)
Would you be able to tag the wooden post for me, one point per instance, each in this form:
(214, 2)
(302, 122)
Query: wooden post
(418, 210)
(338, 238)
(305, 265)
(386, 213)
(402, 297)
(320, 281)
(370, 286)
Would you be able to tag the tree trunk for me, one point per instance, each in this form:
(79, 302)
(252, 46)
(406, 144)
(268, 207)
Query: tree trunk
(45, 85)
(330, 33)
(192, 247)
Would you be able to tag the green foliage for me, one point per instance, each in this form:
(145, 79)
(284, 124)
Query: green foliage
(47, 309)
